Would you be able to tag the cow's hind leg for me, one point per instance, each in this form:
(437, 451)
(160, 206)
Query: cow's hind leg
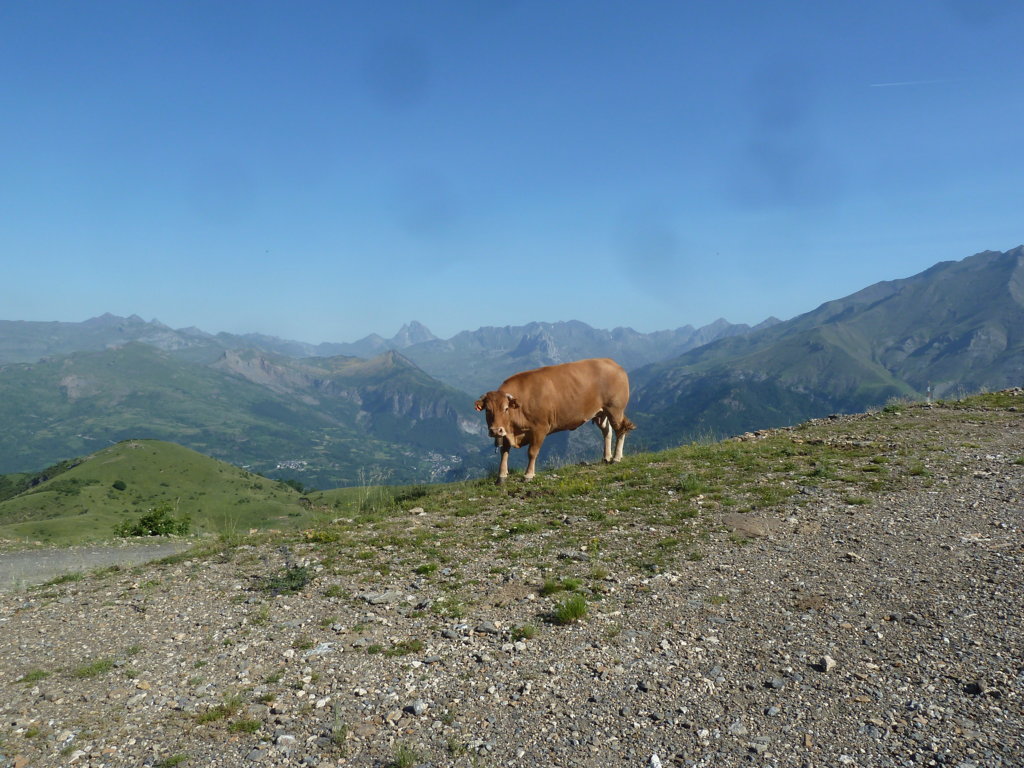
(622, 427)
(604, 424)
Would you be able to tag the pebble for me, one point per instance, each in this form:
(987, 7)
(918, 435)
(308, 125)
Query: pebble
(737, 728)
(417, 708)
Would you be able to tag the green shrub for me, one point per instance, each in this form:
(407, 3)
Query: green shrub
(119, 485)
(156, 522)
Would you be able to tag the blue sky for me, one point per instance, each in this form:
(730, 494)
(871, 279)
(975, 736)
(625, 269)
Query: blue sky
(323, 170)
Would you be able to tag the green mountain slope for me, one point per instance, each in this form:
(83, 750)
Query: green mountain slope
(82, 503)
(328, 422)
(957, 327)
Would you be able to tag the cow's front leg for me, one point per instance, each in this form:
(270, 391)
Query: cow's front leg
(503, 466)
(535, 443)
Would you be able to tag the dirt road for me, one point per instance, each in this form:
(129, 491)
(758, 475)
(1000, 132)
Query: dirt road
(28, 567)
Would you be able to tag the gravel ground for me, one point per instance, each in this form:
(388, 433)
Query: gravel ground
(880, 631)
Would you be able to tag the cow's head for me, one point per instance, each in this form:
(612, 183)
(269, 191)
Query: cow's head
(501, 410)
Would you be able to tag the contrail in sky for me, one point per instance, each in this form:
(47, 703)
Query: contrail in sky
(918, 82)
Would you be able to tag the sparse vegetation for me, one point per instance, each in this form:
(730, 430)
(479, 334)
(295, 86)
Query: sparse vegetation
(245, 726)
(405, 757)
(228, 708)
(288, 581)
(405, 647)
(33, 676)
(94, 668)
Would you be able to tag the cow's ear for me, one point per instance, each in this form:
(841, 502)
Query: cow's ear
(512, 402)
(479, 404)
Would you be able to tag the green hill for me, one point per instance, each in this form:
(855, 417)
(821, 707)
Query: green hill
(86, 499)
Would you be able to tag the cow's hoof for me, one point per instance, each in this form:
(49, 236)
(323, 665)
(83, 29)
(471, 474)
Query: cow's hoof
(528, 477)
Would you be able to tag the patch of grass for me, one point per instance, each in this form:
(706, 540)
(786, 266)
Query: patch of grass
(738, 539)
(339, 732)
(171, 762)
(519, 529)
(229, 708)
(524, 632)
(66, 578)
(322, 535)
(570, 610)
(94, 668)
(289, 581)
(405, 647)
(405, 757)
(33, 676)
(856, 500)
(449, 607)
(261, 617)
(554, 586)
(245, 726)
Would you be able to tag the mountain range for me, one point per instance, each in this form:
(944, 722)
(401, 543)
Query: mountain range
(400, 409)
(955, 328)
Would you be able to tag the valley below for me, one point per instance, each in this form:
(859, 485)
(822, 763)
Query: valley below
(843, 592)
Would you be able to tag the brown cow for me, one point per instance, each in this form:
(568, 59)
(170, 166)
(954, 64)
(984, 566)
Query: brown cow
(531, 405)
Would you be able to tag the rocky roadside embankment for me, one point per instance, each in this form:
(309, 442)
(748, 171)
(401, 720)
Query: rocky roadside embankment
(884, 630)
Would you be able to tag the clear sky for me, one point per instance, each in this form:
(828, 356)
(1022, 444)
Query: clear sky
(322, 170)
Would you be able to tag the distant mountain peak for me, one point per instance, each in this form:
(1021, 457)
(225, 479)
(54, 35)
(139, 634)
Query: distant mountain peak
(411, 333)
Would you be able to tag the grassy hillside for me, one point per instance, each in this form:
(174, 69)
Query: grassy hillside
(957, 327)
(88, 500)
(332, 423)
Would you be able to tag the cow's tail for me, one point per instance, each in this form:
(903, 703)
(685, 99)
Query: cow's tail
(626, 426)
